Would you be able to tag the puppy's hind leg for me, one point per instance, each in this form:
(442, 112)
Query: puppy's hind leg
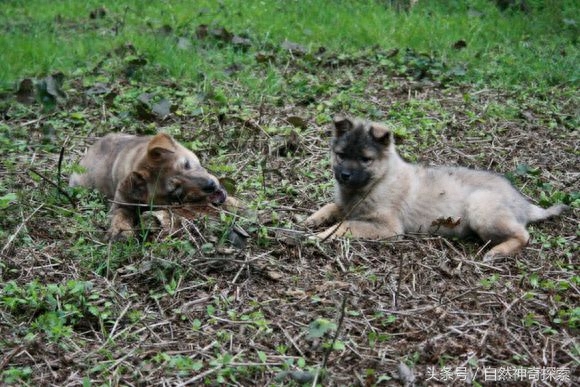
(511, 235)
(510, 246)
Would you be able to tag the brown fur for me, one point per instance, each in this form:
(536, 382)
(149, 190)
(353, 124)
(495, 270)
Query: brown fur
(379, 195)
(132, 170)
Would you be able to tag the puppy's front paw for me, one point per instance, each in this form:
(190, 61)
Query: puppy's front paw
(327, 214)
(330, 233)
(312, 221)
(491, 256)
(116, 234)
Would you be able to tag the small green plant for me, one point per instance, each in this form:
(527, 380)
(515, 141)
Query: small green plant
(490, 281)
(7, 200)
(58, 307)
(16, 375)
(182, 365)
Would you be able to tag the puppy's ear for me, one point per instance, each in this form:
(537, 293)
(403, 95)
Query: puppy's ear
(160, 145)
(342, 125)
(134, 187)
(381, 134)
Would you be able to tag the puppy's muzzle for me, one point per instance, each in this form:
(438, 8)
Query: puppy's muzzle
(351, 178)
(217, 194)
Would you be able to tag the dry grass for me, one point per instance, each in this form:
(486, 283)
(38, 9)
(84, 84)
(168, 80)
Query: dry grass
(242, 315)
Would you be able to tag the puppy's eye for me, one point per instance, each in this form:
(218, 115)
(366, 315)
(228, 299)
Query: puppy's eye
(339, 156)
(366, 160)
(187, 165)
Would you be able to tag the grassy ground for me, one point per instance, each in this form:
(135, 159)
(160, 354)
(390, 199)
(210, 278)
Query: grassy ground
(251, 86)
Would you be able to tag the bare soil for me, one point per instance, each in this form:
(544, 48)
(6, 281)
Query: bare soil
(427, 302)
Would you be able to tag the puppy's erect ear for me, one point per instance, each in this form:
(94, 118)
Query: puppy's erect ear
(160, 145)
(381, 134)
(342, 125)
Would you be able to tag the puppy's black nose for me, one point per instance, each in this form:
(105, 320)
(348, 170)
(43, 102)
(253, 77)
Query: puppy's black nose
(210, 186)
(345, 176)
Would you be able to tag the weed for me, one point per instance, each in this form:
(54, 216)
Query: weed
(58, 308)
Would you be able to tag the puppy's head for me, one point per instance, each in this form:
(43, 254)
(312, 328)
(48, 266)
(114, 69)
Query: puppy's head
(170, 173)
(359, 150)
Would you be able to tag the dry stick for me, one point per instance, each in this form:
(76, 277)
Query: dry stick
(399, 280)
(200, 376)
(59, 167)
(20, 226)
(291, 340)
(336, 333)
(111, 334)
(56, 185)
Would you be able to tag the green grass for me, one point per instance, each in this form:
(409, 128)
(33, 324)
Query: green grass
(503, 48)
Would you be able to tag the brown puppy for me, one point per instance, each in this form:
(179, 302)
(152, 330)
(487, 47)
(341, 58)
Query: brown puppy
(132, 170)
(379, 195)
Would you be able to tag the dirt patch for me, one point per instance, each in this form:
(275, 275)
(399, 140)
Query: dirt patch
(197, 307)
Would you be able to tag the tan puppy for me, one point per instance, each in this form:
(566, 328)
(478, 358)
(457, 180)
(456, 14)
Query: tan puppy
(379, 195)
(132, 170)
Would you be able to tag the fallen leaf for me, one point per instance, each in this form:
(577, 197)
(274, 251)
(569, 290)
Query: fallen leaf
(240, 42)
(133, 63)
(238, 237)
(165, 30)
(98, 88)
(143, 106)
(284, 145)
(221, 33)
(569, 22)
(54, 83)
(300, 377)
(297, 122)
(98, 13)
(162, 108)
(294, 48)
(274, 275)
(49, 90)
(183, 43)
(448, 222)
(392, 52)
(25, 93)
(263, 57)
(406, 374)
(528, 115)
(201, 31)
(233, 69)
(297, 293)
(460, 44)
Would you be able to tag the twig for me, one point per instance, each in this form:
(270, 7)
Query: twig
(329, 349)
(399, 280)
(200, 376)
(292, 341)
(111, 334)
(20, 226)
(55, 185)
(59, 167)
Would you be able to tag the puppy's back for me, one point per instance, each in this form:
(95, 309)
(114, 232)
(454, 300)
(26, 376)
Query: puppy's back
(108, 161)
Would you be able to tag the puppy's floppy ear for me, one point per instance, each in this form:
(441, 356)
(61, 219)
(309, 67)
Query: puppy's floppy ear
(160, 145)
(381, 134)
(342, 125)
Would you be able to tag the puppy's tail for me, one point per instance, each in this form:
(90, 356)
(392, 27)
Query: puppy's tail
(538, 213)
